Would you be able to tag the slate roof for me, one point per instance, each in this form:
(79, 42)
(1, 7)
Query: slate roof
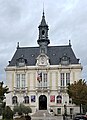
(53, 52)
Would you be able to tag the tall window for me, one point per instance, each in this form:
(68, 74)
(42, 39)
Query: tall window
(42, 79)
(18, 80)
(67, 78)
(62, 79)
(23, 80)
(45, 79)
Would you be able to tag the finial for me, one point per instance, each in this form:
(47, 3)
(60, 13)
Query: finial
(17, 45)
(70, 42)
(43, 10)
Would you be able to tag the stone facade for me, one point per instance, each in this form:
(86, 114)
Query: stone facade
(42, 84)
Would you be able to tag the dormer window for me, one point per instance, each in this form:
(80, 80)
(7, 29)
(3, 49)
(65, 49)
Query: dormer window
(65, 60)
(21, 62)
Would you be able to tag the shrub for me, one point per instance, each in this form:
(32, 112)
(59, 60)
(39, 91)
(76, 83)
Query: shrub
(7, 113)
(22, 109)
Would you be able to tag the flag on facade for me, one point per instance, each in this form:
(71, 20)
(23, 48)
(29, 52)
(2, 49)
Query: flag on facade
(39, 77)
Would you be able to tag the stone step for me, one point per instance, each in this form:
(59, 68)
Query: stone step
(42, 113)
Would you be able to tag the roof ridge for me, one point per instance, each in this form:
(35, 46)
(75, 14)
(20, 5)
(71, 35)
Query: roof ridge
(27, 47)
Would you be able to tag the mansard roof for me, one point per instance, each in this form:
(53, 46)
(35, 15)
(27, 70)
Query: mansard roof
(55, 53)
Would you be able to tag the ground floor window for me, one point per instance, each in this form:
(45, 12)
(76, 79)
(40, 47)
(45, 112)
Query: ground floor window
(71, 110)
(59, 99)
(14, 100)
(26, 99)
(58, 110)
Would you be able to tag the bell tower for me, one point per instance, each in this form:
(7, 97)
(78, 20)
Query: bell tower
(43, 40)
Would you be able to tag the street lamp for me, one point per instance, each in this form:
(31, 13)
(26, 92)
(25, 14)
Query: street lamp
(65, 111)
(0, 106)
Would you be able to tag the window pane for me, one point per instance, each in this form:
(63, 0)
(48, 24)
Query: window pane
(18, 80)
(67, 78)
(58, 110)
(26, 99)
(62, 79)
(42, 79)
(14, 100)
(59, 99)
(23, 80)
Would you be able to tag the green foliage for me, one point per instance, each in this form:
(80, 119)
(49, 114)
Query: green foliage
(3, 91)
(78, 92)
(20, 109)
(7, 113)
(27, 110)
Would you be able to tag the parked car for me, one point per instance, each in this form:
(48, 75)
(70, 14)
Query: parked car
(80, 117)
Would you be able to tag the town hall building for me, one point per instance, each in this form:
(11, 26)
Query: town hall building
(38, 76)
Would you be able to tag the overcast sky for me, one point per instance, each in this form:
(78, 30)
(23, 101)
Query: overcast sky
(19, 20)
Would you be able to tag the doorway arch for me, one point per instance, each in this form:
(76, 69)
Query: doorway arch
(42, 102)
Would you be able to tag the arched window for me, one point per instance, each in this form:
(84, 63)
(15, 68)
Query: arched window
(59, 99)
(26, 99)
(14, 100)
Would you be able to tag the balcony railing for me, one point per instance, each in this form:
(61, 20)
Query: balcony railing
(49, 88)
(42, 88)
(21, 89)
(62, 88)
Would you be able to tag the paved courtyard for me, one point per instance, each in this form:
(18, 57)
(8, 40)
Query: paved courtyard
(44, 115)
(48, 118)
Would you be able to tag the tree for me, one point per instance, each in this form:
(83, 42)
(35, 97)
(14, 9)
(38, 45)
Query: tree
(78, 93)
(3, 91)
(7, 113)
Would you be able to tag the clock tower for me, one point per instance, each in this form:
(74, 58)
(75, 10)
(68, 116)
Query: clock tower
(43, 40)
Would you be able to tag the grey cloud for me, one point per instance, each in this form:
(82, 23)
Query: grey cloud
(19, 22)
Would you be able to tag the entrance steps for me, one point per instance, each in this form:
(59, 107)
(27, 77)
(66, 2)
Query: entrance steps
(41, 113)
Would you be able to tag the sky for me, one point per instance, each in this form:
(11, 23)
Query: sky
(19, 21)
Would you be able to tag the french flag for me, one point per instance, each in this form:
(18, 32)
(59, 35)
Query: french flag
(39, 77)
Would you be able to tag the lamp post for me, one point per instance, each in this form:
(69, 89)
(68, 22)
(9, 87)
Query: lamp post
(65, 111)
(0, 106)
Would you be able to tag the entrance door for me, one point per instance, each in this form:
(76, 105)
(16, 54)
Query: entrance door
(42, 102)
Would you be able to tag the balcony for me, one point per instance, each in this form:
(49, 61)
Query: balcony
(62, 89)
(42, 89)
(21, 89)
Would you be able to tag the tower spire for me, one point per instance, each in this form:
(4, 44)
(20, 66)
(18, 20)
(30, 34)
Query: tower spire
(43, 11)
(43, 40)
